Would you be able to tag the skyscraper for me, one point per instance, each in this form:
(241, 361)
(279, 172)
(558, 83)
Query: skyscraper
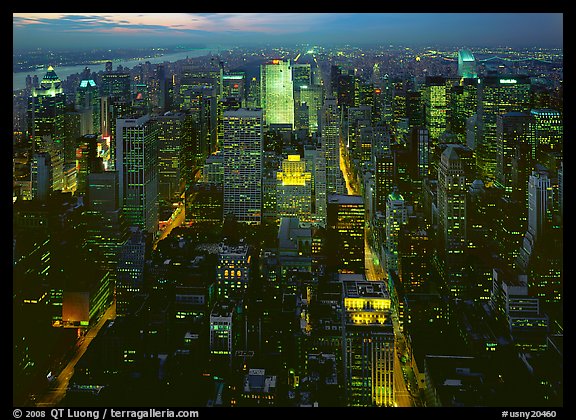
(88, 104)
(496, 95)
(369, 342)
(46, 107)
(396, 216)
(467, 64)
(294, 189)
(242, 150)
(452, 220)
(277, 92)
(511, 132)
(170, 139)
(329, 127)
(436, 106)
(137, 166)
(346, 217)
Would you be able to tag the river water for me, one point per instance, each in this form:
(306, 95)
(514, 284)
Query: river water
(19, 78)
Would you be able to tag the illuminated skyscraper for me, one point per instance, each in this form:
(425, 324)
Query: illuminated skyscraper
(467, 64)
(232, 272)
(346, 217)
(117, 85)
(436, 106)
(496, 95)
(369, 343)
(329, 127)
(452, 220)
(46, 107)
(242, 150)
(294, 189)
(130, 272)
(546, 128)
(88, 104)
(396, 216)
(277, 92)
(511, 132)
(170, 134)
(137, 166)
(41, 176)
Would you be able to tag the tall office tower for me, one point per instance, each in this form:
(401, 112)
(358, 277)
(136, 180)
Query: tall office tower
(234, 85)
(369, 343)
(329, 128)
(512, 130)
(539, 201)
(452, 221)
(335, 72)
(294, 189)
(41, 176)
(301, 75)
(46, 108)
(356, 119)
(202, 75)
(111, 109)
(221, 333)
(162, 93)
(345, 90)
(86, 161)
(414, 259)
(320, 194)
(213, 172)
(463, 104)
(117, 85)
(130, 271)
(312, 96)
(364, 93)
(561, 191)
(106, 227)
(398, 107)
(253, 97)
(546, 129)
(421, 148)
(242, 150)
(277, 92)
(436, 106)
(396, 216)
(170, 135)
(345, 215)
(467, 65)
(137, 166)
(233, 271)
(414, 108)
(71, 133)
(496, 95)
(87, 103)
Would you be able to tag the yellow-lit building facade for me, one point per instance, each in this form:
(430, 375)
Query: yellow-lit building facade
(369, 342)
(294, 189)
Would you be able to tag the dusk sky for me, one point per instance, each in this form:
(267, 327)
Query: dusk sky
(110, 30)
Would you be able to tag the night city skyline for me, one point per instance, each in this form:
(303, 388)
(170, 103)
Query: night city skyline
(287, 210)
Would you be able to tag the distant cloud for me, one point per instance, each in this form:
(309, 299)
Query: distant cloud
(44, 29)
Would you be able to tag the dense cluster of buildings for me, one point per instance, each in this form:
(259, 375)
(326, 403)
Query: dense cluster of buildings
(313, 234)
